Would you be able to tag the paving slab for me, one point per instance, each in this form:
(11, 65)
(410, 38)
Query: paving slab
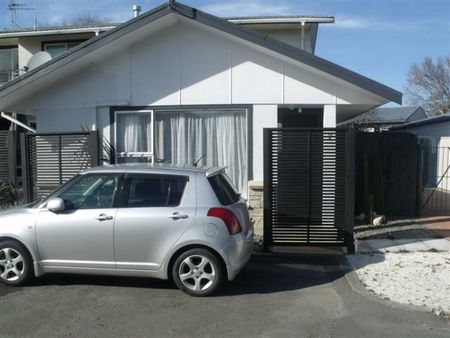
(439, 244)
(382, 245)
(411, 245)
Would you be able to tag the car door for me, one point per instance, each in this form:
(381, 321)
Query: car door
(157, 210)
(80, 236)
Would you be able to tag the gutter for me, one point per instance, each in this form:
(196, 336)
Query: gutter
(55, 32)
(287, 20)
(17, 122)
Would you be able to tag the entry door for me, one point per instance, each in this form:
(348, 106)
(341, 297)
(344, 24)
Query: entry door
(81, 236)
(157, 210)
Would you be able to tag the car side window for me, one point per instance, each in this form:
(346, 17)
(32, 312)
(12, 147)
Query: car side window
(91, 192)
(155, 191)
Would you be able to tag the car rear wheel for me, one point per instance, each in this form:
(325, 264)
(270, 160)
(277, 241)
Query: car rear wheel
(198, 272)
(15, 264)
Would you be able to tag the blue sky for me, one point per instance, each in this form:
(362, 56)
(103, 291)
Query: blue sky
(377, 38)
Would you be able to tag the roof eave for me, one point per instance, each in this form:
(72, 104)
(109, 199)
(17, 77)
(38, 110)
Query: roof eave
(220, 24)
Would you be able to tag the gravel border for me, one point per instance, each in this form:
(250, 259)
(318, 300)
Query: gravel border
(417, 278)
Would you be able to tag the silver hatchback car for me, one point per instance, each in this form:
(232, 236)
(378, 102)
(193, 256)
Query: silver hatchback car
(185, 224)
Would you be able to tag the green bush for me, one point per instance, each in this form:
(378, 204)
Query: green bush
(8, 194)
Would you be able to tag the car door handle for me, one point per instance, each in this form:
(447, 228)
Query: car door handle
(177, 215)
(103, 217)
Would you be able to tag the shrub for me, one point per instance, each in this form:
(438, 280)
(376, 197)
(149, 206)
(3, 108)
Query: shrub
(8, 194)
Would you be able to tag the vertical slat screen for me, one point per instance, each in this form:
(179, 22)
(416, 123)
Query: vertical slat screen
(4, 155)
(308, 192)
(54, 158)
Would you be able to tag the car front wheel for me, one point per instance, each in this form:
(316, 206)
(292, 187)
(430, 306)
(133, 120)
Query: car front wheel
(15, 264)
(198, 272)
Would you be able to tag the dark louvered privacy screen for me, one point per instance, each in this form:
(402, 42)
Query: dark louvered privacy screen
(308, 187)
(4, 155)
(52, 159)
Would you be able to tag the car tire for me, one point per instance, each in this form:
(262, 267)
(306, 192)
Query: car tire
(198, 272)
(15, 264)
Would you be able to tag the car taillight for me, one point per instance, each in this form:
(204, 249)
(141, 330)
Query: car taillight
(230, 220)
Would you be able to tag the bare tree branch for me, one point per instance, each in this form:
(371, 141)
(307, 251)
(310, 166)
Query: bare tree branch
(428, 85)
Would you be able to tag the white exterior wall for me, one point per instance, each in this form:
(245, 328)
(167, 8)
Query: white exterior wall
(264, 116)
(188, 65)
(28, 46)
(329, 116)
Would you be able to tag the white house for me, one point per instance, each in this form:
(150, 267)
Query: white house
(177, 85)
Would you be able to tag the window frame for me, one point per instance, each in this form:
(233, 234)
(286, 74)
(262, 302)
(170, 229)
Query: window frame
(149, 154)
(12, 72)
(125, 192)
(69, 184)
(247, 109)
(44, 44)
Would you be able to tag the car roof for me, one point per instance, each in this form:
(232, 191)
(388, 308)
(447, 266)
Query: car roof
(154, 168)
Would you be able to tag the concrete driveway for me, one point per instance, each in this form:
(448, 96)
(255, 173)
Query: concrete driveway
(282, 296)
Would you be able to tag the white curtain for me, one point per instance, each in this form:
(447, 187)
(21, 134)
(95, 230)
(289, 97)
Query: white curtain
(134, 132)
(219, 138)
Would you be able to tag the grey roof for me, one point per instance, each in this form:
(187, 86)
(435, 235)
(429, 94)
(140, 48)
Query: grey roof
(385, 115)
(430, 120)
(217, 23)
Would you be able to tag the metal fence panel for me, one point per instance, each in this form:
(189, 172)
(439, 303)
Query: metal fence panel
(52, 159)
(435, 176)
(4, 155)
(308, 187)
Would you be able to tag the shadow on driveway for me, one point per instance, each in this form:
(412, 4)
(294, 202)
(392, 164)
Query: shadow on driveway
(263, 275)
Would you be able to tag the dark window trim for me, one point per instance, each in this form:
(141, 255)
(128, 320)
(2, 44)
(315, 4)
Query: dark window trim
(9, 47)
(123, 203)
(246, 107)
(43, 43)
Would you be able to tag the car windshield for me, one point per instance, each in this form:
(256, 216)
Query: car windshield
(39, 201)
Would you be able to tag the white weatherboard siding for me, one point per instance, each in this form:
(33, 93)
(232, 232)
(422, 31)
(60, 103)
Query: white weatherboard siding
(184, 63)
(329, 116)
(264, 116)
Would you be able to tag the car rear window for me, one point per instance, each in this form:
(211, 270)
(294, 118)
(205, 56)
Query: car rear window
(224, 189)
(155, 191)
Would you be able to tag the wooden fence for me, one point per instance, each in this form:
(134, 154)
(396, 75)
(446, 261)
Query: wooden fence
(387, 174)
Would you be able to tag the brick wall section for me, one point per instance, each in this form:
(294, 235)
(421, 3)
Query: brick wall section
(256, 204)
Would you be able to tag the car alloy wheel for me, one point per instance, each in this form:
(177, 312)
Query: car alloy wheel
(15, 264)
(12, 265)
(198, 272)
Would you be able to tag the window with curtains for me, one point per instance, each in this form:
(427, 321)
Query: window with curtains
(134, 136)
(186, 137)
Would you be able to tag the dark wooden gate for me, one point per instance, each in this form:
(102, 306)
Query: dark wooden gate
(50, 159)
(308, 187)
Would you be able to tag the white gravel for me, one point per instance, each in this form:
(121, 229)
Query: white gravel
(417, 278)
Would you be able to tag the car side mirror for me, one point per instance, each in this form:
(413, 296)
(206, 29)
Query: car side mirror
(56, 205)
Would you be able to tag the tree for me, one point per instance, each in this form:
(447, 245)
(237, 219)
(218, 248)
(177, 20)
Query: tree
(428, 85)
(80, 20)
(87, 19)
